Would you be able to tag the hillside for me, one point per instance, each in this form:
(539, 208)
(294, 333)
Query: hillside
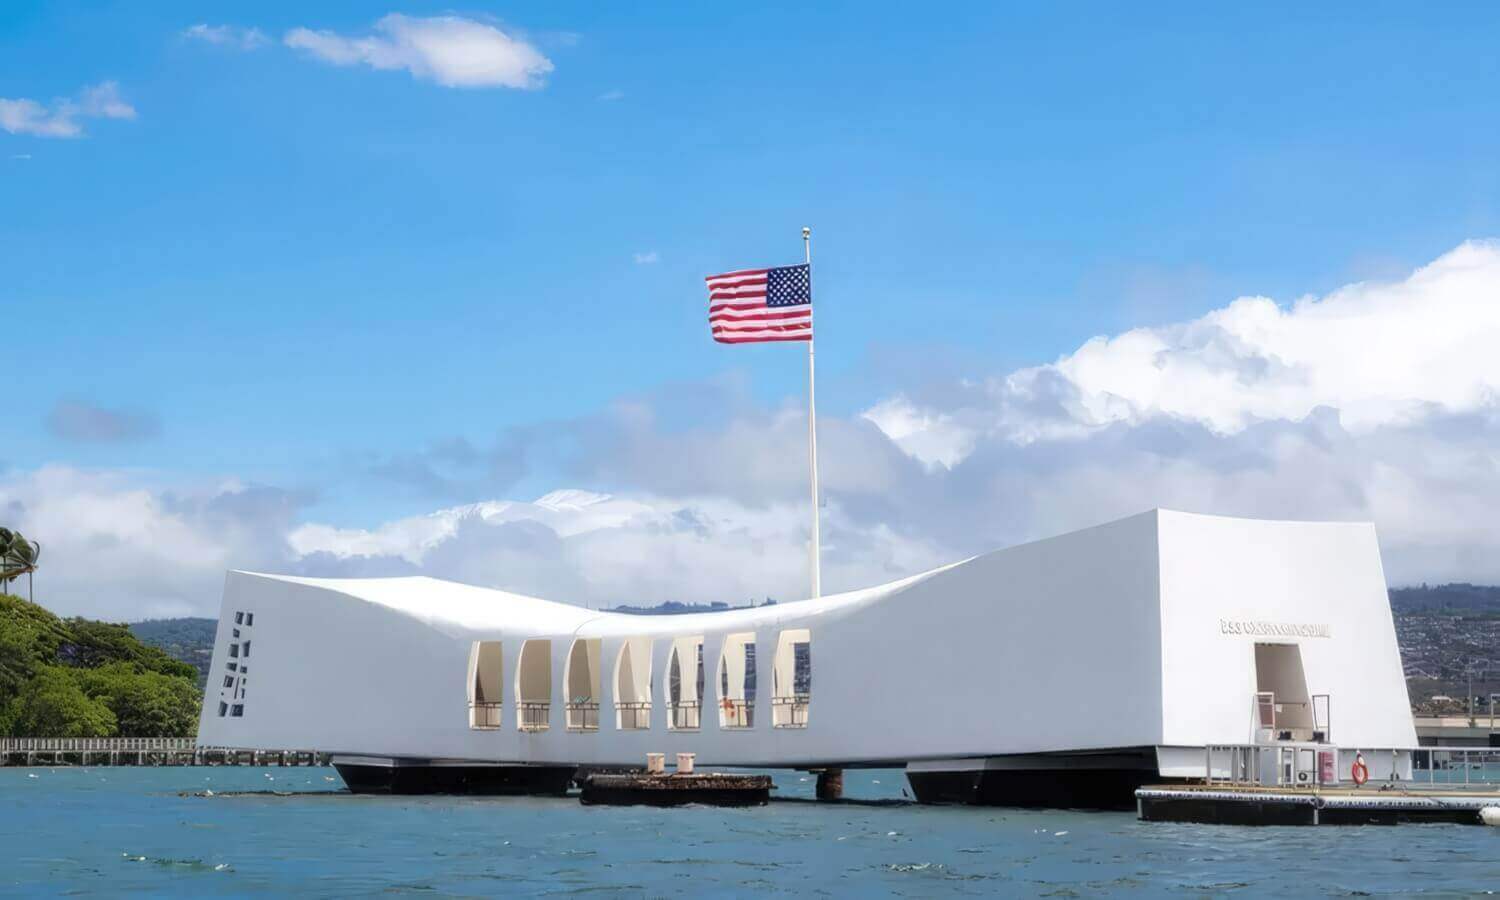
(189, 640)
(82, 678)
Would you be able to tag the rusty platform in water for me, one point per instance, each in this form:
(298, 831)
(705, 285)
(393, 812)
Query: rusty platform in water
(1386, 804)
(706, 788)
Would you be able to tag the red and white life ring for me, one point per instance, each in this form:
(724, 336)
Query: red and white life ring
(1359, 771)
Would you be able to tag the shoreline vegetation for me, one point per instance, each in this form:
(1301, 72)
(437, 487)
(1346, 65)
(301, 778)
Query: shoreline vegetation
(82, 678)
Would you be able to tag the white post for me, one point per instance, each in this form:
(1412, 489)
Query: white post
(812, 433)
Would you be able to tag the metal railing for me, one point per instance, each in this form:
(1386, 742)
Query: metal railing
(70, 745)
(685, 715)
(1319, 765)
(790, 712)
(583, 715)
(634, 714)
(533, 715)
(484, 714)
(736, 713)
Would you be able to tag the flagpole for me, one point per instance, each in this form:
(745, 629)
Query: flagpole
(812, 433)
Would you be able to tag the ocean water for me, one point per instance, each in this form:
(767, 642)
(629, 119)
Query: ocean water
(105, 831)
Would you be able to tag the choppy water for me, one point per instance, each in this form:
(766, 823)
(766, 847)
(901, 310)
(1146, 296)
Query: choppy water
(106, 831)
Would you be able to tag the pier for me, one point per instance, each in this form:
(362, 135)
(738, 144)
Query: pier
(131, 751)
(1305, 785)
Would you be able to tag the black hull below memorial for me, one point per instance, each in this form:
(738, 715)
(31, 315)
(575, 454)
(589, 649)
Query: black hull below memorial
(1083, 785)
(429, 777)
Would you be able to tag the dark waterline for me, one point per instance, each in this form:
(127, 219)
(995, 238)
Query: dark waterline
(103, 831)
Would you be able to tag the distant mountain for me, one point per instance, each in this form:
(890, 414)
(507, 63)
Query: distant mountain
(1447, 599)
(673, 608)
(189, 640)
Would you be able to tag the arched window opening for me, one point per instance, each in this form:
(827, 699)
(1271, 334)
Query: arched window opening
(534, 686)
(737, 681)
(792, 674)
(485, 680)
(685, 684)
(633, 685)
(582, 679)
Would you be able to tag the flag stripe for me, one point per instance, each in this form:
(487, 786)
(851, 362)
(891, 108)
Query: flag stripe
(805, 336)
(760, 305)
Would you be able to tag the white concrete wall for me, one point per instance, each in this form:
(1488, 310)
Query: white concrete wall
(1218, 573)
(1059, 645)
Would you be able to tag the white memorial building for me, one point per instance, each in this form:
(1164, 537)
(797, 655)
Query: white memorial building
(1062, 672)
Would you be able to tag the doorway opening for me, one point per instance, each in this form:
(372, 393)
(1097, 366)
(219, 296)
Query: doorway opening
(534, 686)
(485, 685)
(737, 681)
(1283, 708)
(633, 685)
(582, 679)
(685, 684)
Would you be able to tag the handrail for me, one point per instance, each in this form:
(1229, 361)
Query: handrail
(533, 715)
(1243, 764)
(790, 711)
(582, 715)
(685, 715)
(92, 744)
(633, 715)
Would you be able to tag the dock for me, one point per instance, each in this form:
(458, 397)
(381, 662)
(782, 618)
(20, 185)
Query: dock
(677, 789)
(137, 751)
(1305, 785)
(1322, 806)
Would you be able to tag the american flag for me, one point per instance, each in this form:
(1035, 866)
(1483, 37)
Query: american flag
(758, 305)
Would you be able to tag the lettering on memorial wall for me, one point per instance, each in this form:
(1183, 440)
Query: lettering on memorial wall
(1257, 628)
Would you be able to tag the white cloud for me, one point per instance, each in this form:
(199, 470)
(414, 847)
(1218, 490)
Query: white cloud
(1381, 353)
(932, 437)
(647, 258)
(612, 95)
(232, 36)
(61, 119)
(118, 547)
(452, 51)
(1374, 403)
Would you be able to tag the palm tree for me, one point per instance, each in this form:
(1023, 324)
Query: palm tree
(18, 557)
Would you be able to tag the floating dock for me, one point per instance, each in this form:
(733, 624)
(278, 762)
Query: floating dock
(646, 789)
(1251, 805)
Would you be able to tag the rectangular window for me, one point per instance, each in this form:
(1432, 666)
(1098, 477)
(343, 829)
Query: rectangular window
(237, 710)
(229, 681)
(247, 649)
(233, 667)
(236, 632)
(239, 618)
(249, 618)
(223, 708)
(234, 650)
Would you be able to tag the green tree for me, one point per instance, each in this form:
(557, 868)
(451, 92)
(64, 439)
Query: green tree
(53, 704)
(18, 557)
(144, 704)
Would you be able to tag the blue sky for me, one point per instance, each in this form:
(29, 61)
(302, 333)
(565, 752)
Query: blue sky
(293, 273)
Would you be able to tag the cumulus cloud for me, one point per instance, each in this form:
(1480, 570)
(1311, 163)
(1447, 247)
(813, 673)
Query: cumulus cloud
(1376, 402)
(449, 50)
(117, 548)
(61, 118)
(1381, 353)
(231, 36)
(78, 421)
